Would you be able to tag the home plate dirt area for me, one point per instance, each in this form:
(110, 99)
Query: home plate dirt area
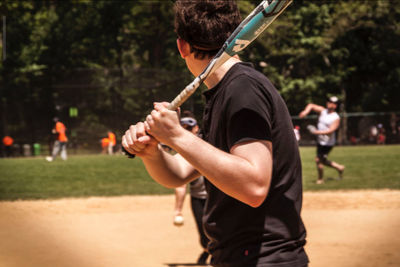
(344, 228)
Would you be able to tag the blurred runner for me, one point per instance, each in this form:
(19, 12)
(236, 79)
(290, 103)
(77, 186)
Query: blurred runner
(61, 143)
(112, 141)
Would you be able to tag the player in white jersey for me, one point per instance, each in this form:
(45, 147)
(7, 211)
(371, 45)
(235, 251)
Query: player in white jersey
(328, 123)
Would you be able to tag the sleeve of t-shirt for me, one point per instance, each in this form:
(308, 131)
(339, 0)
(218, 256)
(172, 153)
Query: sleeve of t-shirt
(248, 111)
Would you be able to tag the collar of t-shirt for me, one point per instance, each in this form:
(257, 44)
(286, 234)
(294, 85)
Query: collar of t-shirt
(210, 92)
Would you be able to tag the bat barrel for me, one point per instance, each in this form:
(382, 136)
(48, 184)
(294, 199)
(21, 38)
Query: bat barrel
(255, 25)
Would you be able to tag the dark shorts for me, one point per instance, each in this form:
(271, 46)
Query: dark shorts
(323, 151)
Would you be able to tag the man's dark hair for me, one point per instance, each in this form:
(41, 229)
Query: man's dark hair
(206, 24)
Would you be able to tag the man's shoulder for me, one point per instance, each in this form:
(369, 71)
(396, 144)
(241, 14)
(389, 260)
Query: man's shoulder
(337, 116)
(243, 75)
(246, 69)
(326, 113)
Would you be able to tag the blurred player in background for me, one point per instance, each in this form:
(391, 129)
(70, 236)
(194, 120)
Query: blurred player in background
(104, 145)
(381, 139)
(112, 141)
(60, 144)
(328, 123)
(297, 133)
(250, 158)
(198, 193)
(8, 141)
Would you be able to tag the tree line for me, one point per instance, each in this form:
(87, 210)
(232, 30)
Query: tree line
(108, 61)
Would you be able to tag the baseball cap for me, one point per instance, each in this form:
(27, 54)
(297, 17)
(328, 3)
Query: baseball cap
(333, 99)
(188, 121)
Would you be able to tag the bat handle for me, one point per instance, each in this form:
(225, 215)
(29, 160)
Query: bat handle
(185, 94)
(177, 102)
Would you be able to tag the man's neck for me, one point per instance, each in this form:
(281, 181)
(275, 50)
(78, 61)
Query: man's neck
(219, 73)
(214, 78)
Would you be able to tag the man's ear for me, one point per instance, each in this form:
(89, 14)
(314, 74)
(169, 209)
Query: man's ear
(183, 47)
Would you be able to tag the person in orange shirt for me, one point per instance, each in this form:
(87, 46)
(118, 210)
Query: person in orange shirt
(61, 143)
(104, 145)
(8, 142)
(112, 142)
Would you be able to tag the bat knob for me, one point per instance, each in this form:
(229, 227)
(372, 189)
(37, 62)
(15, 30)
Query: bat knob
(129, 155)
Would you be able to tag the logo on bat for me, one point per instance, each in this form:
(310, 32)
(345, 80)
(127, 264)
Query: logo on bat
(240, 45)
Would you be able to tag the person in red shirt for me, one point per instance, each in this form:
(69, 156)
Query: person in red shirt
(61, 143)
(381, 139)
(8, 142)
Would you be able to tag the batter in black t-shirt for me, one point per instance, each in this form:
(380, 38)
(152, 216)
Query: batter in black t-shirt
(249, 157)
(245, 106)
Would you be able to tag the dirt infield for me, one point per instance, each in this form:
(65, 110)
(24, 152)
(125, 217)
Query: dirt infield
(358, 228)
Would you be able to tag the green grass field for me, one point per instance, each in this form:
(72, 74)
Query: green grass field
(367, 167)
(79, 176)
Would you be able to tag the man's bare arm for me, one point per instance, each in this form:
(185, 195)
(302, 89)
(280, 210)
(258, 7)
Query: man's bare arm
(244, 173)
(309, 108)
(168, 170)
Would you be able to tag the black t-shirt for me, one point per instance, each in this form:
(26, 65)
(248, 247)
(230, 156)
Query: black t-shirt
(245, 106)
